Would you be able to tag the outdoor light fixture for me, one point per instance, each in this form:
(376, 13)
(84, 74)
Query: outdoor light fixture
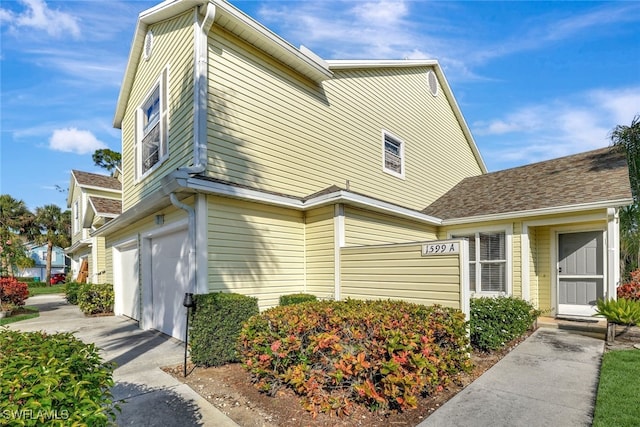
(188, 302)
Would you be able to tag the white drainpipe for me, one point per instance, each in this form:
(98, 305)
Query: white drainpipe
(200, 89)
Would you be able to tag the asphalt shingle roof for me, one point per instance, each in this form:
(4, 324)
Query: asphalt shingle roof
(595, 176)
(104, 206)
(96, 180)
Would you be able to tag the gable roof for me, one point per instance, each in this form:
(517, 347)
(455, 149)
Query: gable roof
(94, 180)
(105, 207)
(598, 178)
(231, 19)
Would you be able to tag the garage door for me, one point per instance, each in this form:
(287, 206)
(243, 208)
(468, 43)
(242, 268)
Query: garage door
(169, 282)
(127, 288)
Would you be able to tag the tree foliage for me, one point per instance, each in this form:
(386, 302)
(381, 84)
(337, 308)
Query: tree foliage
(15, 219)
(55, 230)
(107, 159)
(627, 139)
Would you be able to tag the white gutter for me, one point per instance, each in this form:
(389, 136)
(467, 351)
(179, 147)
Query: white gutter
(200, 88)
(340, 196)
(539, 212)
(192, 239)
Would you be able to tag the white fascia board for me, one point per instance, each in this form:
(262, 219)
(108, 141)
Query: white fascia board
(345, 64)
(458, 113)
(324, 199)
(248, 28)
(95, 187)
(539, 212)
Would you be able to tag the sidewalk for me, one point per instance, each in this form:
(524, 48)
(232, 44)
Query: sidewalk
(551, 379)
(152, 397)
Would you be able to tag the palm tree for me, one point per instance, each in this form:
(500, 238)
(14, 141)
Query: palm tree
(15, 219)
(55, 228)
(627, 139)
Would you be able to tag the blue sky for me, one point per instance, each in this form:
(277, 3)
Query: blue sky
(534, 80)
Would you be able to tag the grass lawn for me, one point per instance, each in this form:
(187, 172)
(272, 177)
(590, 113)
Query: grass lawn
(53, 289)
(618, 391)
(26, 313)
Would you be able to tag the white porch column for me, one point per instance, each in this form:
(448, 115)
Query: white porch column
(338, 242)
(613, 252)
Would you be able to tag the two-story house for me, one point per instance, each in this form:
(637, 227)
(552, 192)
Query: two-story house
(38, 253)
(250, 166)
(94, 200)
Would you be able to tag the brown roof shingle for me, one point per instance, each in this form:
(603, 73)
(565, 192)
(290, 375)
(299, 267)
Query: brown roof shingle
(97, 180)
(104, 206)
(595, 176)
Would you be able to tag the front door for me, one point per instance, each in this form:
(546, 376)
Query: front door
(580, 272)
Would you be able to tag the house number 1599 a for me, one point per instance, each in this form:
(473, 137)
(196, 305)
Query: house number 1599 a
(441, 248)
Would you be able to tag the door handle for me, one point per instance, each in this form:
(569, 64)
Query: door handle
(559, 269)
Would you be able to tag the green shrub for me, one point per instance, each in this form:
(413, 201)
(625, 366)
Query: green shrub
(296, 299)
(622, 311)
(96, 298)
(54, 380)
(32, 282)
(381, 354)
(216, 322)
(496, 321)
(71, 290)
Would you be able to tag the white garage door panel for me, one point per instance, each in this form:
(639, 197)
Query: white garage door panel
(128, 283)
(169, 279)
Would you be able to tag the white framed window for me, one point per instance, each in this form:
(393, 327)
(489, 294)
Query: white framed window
(151, 141)
(392, 154)
(43, 255)
(489, 260)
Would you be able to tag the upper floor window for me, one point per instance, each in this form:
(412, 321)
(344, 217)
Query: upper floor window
(487, 261)
(151, 144)
(393, 155)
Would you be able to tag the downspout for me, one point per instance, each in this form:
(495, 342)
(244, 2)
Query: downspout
(192, 239)
(200, 89)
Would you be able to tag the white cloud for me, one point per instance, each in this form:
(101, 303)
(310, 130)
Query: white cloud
(39, 16)
(72, 140)
(558, 127)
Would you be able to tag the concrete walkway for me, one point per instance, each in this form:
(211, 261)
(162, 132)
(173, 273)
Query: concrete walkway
(151, 397)
(551, 379)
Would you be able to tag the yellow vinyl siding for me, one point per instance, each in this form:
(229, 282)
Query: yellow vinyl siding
(320, 252)
(516, 262)
(371, 228)
(263, 120)
(98, 265)
(172, 48)
(543, 268)
(108, 264)
(399, 272)
(254, 249)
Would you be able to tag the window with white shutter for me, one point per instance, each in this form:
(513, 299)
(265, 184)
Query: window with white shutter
(487, 261)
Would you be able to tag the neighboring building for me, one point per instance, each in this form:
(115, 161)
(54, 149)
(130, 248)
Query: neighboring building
(255, 167)
(94, 200)
(39, 255)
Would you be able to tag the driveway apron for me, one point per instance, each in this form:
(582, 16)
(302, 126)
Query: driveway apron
(149, 396)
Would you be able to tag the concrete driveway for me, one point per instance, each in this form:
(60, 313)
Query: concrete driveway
(149, 396)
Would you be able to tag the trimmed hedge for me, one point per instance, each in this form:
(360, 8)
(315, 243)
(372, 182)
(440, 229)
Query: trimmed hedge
(334, 354)
(53, 379)
(296, 299)
(215, 323)
(71, 290)
(496, 321)
(96, 298)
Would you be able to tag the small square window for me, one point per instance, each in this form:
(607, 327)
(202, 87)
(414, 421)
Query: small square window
(393, 155)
